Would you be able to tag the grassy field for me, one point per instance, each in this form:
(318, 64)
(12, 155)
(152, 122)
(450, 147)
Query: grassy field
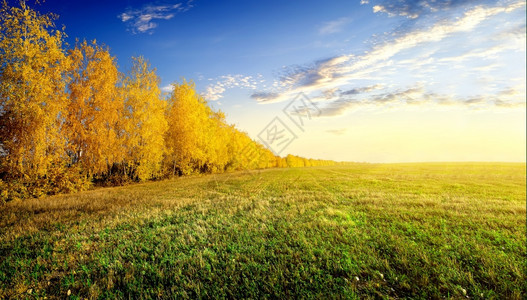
(360, 231)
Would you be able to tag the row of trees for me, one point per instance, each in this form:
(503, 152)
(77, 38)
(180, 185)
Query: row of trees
(69, 118)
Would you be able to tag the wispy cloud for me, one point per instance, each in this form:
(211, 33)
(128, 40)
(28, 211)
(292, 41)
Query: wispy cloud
(339, 107)
(143, 20)
(414, 9)
(340, 131)
(334, 26)
(264, 96)
(511, 97)
(361, 90)
(167, 88)
(323, 71)
(215, 90)
(491, 52)
(516, 32)
(340, 80)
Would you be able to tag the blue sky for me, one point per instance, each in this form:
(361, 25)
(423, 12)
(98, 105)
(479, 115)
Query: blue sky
(385, 81)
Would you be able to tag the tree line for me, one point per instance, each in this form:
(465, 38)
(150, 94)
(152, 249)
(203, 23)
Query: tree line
(70, 119)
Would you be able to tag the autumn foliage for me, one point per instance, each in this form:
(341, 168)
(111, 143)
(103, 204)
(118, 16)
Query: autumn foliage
(69, 118)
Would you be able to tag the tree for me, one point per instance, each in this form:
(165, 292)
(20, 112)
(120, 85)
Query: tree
(94, 110)
(32, 92)
(218, 137)
(187, 115)
(146, 124)
(63, 117)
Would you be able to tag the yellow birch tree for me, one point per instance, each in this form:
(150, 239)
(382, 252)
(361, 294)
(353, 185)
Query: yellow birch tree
(146, 123)
(32, 91)
(189, 131)
(94, 109)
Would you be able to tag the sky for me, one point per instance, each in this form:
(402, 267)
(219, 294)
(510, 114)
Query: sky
(365, 81)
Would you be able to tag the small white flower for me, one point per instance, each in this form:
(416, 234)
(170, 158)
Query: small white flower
(69, 292)
(356, 278)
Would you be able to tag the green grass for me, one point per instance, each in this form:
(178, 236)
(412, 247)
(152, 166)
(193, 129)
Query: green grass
(360, 231)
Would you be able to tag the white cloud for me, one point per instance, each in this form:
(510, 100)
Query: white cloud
(414, 9)
(125, 17)
(167, 88)
(340, 131)
(439, 31)
(264, 96)
(334, 26)
(512, 97)
(215, 91)
(477, 54)
(361, 90)
(338, 107)
(142, 20)
(332, 77)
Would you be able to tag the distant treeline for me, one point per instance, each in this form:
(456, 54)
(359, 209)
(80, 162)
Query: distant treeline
(69, 119)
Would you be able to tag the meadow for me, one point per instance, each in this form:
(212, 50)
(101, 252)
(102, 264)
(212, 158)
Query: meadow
(435, 230)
